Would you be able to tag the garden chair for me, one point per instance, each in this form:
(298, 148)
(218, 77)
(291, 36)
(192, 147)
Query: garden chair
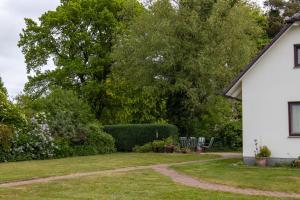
(192, 143)
(201, 142)
(206, 147)
(183, 142)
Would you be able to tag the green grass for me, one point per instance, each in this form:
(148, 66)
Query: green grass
(233, 172)
(138, 185)
(46, 168)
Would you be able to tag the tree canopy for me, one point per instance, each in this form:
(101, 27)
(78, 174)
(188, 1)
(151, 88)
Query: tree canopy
(78, 37)
(277, 10)
(2, 88)
(9, 114)
(187, 52)
(167, 62)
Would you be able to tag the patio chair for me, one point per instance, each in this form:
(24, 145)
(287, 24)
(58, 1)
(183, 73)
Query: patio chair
(193, 143)
(206, 147)
(201, 142)
(183, 142)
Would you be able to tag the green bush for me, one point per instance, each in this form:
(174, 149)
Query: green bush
(158, 146)
(143, 149)
(6, 136)
(264, 152)
(96, 142)
(128, 136)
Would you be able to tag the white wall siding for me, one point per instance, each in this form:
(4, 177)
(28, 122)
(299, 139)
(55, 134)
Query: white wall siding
(266, 90)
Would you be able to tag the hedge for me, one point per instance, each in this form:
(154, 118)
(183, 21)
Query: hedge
(129, 135)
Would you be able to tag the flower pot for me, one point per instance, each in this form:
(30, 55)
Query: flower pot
(261, 162)
(200, 150)
(297, 163)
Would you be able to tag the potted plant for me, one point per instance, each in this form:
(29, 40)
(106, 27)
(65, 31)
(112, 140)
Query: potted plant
(297, 162)
(262, 156)
(158, 146)
(169, 145)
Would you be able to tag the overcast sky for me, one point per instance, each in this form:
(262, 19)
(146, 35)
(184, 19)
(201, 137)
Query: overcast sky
(12, 13)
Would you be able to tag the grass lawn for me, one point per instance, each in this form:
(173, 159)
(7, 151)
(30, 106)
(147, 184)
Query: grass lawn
(45, 168)
(138, 185)
(232, 172)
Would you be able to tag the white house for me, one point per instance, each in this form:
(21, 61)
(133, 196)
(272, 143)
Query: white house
(269, 88)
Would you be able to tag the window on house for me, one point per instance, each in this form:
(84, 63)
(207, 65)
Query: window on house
(297, 55)
(294, 118)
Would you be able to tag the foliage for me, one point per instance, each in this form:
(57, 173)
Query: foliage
(264, 152)
(70, 122)
(222, 120)
(130, 105)
(143, 149)
(2, 88)
(78, 36)
(30, 143)
(156, 145)
(277, 10)
(9, 113)
(6, 137)
(173, 49)
(66, 114)
(129, 135)
(98, 142)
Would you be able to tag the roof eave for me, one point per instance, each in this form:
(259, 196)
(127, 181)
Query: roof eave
(238, 78)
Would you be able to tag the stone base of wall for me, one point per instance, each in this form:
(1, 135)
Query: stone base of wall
(271, 161)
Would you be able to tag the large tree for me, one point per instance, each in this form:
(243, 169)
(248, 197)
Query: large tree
(187, 52)
(78, 37)
(277, 10)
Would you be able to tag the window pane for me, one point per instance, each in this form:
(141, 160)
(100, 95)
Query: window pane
(298, 56)
(295, 118)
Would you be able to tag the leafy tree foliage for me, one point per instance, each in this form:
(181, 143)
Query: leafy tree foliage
(132, 105)
(188, 53)
(70, 121)
(2, 88)
(10, 115)
(66, 114)
(78, 36)
(277, 11)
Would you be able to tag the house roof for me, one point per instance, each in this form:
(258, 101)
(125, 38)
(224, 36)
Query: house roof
(288, 23)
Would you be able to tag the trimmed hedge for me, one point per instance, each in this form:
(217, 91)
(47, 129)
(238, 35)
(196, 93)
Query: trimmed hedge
(129, 135)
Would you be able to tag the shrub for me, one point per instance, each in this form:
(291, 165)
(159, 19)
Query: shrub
(64, 148)
(9, 113)
(129, 135)
(33, 142)
(158, 146)
(67, 115)
(143, 149)
(6, 136)
(97, 142)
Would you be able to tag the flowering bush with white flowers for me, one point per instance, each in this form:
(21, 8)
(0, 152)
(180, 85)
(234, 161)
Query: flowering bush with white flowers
(32, 142)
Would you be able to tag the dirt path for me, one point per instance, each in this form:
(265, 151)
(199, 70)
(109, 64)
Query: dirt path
(192, 182)
(77, 175)
(165, 170)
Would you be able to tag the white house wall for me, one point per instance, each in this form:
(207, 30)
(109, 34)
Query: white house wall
(266, 89)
